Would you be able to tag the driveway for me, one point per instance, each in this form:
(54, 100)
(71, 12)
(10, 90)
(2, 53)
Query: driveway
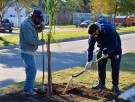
(64, 55)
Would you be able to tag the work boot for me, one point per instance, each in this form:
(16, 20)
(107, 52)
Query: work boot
(115, 89)
(99, 86)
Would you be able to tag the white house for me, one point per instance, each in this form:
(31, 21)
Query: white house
(11, 14)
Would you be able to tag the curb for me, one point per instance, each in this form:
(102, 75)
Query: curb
(65, 40)
(127, 95)
(9, 47)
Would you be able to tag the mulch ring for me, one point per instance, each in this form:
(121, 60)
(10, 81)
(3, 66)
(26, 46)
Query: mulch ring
(74, 93)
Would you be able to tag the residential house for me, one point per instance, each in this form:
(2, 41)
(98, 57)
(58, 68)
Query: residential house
(11, 14)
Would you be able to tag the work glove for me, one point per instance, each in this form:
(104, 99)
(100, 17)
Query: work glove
(41, 27)
(104, 53)
(88, 65)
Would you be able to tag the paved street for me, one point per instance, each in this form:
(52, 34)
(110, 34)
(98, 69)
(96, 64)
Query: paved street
(65, 55)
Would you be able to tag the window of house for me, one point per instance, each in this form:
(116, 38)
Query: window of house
(12, 15)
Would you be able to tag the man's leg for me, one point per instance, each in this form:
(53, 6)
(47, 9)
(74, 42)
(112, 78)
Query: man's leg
(30, 68)
(101, 72)
(115, 64)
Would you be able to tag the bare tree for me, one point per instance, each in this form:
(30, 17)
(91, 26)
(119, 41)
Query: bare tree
(20, 4)
(3, 7)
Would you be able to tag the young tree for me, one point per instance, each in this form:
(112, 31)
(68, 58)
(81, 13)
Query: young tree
(51, 6)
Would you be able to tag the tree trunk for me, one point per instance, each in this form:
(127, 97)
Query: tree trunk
(50, 91)
(19, 18)
(115, 12)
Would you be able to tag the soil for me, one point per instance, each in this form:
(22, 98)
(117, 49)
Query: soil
(74, 93)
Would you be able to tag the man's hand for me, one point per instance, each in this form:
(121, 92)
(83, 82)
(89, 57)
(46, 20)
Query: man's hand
(105, 55)
(41, 27)
(88, 65)
(43, 41)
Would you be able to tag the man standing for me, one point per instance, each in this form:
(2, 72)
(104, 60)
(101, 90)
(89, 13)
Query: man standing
(29, 43)
(109, 44)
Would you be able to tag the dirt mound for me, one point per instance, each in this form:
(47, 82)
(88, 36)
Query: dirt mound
(74, 93)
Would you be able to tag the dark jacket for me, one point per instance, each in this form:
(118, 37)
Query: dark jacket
(108, 41)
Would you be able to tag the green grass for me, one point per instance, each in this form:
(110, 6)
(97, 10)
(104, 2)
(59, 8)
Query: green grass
(89, 79)
(70, 34)
(65, 26)
(58, 36)
(126, 29)
(16, 28)
(9, 40)
(14, 39)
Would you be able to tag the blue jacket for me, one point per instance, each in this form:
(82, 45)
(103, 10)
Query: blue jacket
(108, 41)
(29, 36)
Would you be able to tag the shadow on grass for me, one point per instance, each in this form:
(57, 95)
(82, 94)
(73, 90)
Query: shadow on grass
(12, 58)
(6, 43)
(6, 82)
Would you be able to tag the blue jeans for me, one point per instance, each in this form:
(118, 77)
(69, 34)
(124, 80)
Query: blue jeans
(30, 69)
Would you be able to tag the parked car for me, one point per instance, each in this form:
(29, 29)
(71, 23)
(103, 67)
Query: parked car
(5, 24)
(85, 23)
(130, 21)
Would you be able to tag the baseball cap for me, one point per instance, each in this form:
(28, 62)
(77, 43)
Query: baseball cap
(39, 15)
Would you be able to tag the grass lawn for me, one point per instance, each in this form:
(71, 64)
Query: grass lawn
(58, 36)
(89, 79)
(126, 29)
(65, 26)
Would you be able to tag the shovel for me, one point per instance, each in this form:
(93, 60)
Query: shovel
(74, 76)
(43, 85)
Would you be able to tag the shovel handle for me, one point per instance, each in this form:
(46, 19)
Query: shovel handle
(79, 73)
(94, 63)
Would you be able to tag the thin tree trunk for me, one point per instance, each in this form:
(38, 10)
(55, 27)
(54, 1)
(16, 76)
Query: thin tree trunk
(115, 12)
(122, 22)
(19, 18)
(50, 91)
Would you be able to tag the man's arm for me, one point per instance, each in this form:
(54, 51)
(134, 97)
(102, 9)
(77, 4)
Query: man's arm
(91, 43)
(29, 36)
(112, 40)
